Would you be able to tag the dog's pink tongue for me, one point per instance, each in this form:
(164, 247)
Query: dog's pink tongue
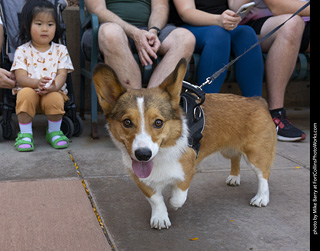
(142, 168)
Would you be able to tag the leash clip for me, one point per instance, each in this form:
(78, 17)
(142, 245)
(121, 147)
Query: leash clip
(207, 82)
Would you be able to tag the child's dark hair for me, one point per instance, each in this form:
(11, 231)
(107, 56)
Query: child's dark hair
(29, 10)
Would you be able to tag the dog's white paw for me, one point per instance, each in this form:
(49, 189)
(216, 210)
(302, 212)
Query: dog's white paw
(260, 200)
(262, 196)
(233, 180)
(159, 216)
(178, 198)
(160, 221)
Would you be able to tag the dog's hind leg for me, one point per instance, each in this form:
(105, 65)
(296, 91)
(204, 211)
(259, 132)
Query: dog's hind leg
(263, 172)
(234, 178)
(262, 196)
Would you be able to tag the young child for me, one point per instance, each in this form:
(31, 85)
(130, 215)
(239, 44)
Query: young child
(40, 67)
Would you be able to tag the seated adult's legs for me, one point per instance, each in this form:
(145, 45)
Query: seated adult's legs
(178, 44)
(114, 45)
(249, 68)
(214, 45)
(282, 48)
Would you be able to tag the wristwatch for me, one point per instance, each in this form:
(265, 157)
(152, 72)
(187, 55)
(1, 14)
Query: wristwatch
(155, 28)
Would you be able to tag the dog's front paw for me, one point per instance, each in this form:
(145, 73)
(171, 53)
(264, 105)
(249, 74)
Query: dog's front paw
(159, 216)
(233, 180)
(160, 221)
(178, 198)
(260, 200)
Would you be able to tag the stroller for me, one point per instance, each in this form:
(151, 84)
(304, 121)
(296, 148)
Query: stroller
(72, 124)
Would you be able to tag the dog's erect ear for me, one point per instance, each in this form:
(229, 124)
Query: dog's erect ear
(107, 86)
(173, 83)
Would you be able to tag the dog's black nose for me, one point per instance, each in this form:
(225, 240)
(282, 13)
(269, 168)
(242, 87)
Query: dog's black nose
(143, 154)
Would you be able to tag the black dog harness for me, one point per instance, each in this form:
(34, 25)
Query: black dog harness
(191, 98)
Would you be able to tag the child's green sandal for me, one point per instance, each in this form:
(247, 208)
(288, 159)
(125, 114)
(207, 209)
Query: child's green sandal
(57, 142)
(24, 145)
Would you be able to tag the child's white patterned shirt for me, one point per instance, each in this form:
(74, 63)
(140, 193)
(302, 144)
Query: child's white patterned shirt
(42, 64)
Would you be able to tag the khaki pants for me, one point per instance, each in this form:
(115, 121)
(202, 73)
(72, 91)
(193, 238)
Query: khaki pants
(30, 102)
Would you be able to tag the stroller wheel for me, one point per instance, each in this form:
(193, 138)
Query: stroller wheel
(9, 130)
(78, 126)
(67, 127)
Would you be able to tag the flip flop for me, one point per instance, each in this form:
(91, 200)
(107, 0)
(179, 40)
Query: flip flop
(54, 143)
(20, 142)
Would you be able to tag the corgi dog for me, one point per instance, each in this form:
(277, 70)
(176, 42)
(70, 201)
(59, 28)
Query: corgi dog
(150, 129)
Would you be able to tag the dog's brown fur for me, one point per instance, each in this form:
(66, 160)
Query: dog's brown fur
(240, 123)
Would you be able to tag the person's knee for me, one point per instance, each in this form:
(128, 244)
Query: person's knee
(246, 32)
(188, 40)
(185, 36)
(217, 38)
(53, 104)
(27, 95)
(110, 34)
(26, 91)
(292, 31)
(27, 100)
(184, 39)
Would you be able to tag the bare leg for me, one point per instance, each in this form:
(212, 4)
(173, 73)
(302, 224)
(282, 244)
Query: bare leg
(25, 124)
(54, 117)
(24, 118)
(113, 43)
(179, 44)
(54, 125)
(282, 48)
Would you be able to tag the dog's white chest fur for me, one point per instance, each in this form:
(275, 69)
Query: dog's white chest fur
(167, 168)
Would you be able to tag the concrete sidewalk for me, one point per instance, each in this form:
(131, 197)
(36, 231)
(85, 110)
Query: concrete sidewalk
(44, 205)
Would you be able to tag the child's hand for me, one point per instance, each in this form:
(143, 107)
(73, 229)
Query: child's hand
(52, 87)
(46, 85)
(42, 82)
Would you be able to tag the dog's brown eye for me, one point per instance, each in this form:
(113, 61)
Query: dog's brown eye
(127, 123)
(158, 123)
